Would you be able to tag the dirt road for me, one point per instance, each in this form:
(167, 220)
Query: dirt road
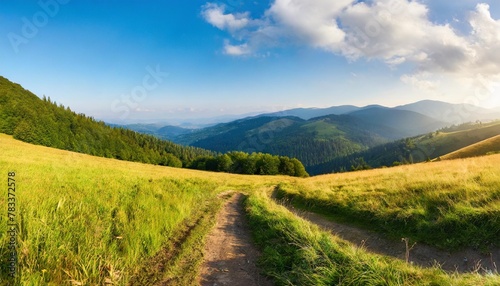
(230, 256)
(423, 255)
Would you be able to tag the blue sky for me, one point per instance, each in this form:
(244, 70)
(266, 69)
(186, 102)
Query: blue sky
(127, 61)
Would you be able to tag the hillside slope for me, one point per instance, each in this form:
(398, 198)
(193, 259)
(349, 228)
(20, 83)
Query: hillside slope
(491, 145)
(87, 220)
(405, 123)
(41, 121)
(311, 141)
(139, 222)
(412, 150)
(33, 120)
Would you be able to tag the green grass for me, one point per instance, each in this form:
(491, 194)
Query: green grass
(91, 220)
(86, 220)
(178, 262)
(450, 204)
(296, 252)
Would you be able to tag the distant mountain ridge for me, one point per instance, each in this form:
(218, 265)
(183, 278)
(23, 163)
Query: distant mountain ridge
(308, 113)
(406, 123)
(439, 110)
(166, 132)
(451, 113)
(311, 141)
(317, 136)
(316, 140)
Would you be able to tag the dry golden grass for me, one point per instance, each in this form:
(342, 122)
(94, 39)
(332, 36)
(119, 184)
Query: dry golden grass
(491, 145)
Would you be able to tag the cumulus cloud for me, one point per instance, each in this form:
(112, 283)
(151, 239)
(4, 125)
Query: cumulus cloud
(397, 32)
(236, 50)
(311, 22)
(214, 14)
(485, 40)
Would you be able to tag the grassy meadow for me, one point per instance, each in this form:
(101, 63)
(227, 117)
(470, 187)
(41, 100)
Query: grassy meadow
(91, 220)
(296, 252)
(485, 147)
(449, 204)
(446, 142)
(87, 220)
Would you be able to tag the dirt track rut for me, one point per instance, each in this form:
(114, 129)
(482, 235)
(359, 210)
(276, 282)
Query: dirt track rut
(230, 257)
(423, 255)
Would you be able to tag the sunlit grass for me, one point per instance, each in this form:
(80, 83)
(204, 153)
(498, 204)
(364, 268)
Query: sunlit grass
(448, 204)
(295, 252)
(89, 220)
(488, 146)
(86, 220)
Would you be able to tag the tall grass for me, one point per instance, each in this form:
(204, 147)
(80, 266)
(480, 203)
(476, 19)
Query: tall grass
(86, 221)
(450, 204)
(295, 252)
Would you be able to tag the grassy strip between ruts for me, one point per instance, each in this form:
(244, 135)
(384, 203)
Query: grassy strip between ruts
(451, 205)
(90, 221)
(295, 252)
(179, 260)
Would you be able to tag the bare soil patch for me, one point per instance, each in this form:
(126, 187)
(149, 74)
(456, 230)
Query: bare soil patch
(468, 260)
(230, 257)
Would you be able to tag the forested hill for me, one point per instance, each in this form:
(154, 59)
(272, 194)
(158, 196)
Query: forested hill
(313, 141)
(413, 150)
(43, 122)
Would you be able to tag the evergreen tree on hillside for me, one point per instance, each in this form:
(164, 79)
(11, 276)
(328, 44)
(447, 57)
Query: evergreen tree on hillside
(43, 122)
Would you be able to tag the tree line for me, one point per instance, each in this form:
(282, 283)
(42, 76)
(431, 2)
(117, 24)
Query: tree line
(44, 122)
(251, 164)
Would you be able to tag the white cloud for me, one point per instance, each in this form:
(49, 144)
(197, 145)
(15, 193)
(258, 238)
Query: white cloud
(214, 14)
(405, 34)
(285, 22)
(485, 40)
(311, 22)
(396, 32)
(236, 50)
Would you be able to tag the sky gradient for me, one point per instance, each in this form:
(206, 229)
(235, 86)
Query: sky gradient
(130, 61)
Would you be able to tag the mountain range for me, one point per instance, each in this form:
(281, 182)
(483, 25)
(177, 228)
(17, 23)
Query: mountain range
(436, 114)
(324, 140)
(319, 136)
